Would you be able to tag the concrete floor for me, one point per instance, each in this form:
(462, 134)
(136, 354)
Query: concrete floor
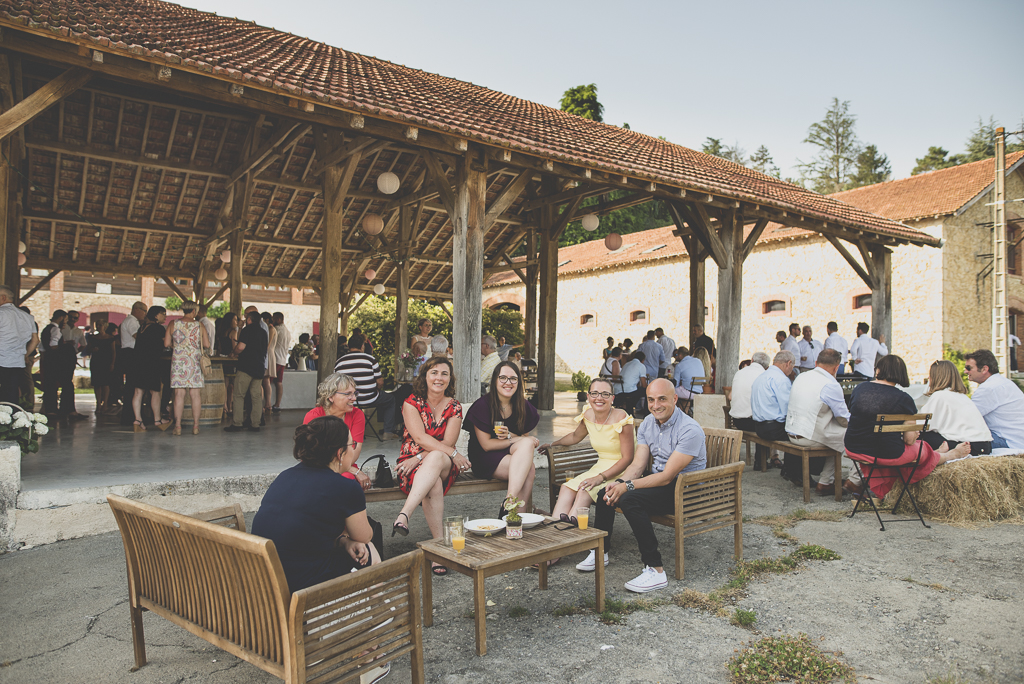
(100, 452)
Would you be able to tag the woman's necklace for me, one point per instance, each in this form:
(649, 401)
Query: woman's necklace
(506, 410)
(603, 421)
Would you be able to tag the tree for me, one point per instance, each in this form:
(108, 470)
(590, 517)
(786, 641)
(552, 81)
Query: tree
(735, 153)
(645, 216)
(582, 101)
(982, 142)
(936, 159)
(872, 168)
(712, 146)
(838, 148)
(762, 161)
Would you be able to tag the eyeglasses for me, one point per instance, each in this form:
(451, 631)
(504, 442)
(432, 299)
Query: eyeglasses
(508, 379)
(349, 394)
(601, 395)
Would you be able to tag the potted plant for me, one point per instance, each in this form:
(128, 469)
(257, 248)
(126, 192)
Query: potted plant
(301, 352)
(21, 426)
(513, 521)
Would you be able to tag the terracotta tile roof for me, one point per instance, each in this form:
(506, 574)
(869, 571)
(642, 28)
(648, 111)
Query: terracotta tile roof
(936, 193)
(647, 245)
(266, 58)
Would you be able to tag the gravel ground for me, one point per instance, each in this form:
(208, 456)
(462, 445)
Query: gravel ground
(67, 620)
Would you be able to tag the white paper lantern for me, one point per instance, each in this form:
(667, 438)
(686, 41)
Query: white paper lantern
(373, 224)
(225, 256)
(388, 183)
(370, 274)
(22, 247)
(378, 289)
(613, 241)
(221, 273)
(591, 222)
(22, 259)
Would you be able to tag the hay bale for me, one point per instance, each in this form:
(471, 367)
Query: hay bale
(973, 490)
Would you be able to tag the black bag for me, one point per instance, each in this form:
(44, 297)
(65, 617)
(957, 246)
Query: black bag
(383, 478)
(378, 536)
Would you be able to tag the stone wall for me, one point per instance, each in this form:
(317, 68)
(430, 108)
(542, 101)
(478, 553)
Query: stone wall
(10, 483)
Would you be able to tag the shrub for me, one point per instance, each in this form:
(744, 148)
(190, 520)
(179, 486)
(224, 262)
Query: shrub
(787, 658)
(172, 303)
(580, 381)
(743, 618)
(956, 357)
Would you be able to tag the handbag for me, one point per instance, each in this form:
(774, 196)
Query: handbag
(383, 478)
(205, 364)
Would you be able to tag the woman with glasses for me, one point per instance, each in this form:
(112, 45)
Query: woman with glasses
(611, 435)
(336, 396)
(429, 463)
(504, 452)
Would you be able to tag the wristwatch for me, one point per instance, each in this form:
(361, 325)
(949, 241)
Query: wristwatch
(629, 486)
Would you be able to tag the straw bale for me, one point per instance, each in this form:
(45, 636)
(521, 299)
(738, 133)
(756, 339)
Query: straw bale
(982, 489)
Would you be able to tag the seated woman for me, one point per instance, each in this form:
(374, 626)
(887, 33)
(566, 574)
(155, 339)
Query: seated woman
(955, 418)
(611, 435)
(505, 452)
(429, 463)
(419, 352)
(882, 396)
(336, 396)
(315, 512)
(612, 368)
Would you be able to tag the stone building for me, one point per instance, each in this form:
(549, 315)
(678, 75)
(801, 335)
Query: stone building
(940, 296)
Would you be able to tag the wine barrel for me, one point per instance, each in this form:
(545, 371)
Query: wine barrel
(213, 395)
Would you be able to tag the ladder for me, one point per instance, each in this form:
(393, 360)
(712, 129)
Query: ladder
(999, 310)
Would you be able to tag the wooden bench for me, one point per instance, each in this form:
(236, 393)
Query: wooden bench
(465, 484)
(228, 587)
(706, 500)
(804, 453)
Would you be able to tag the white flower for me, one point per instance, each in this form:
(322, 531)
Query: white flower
(41, 429)
(39, 418)
(21, 421)
(5, 419)
(6, 410)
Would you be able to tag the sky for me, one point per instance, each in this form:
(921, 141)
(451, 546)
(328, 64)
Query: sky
(916, 73)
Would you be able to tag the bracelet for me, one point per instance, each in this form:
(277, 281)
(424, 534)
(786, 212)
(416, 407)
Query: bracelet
(453, 454)
(419, 456)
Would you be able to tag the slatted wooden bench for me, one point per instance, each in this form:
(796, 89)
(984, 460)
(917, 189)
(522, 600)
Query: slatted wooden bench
(804, 453)
(228, 587)
(465, 484)
(706, 499)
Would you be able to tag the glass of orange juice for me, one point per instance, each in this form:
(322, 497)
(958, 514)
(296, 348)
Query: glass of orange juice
(458, 543)
(583, 517)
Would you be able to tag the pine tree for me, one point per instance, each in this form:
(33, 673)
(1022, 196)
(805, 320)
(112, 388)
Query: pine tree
(762, 161)
(838, 148)
(872, 168)
(936, 159)
(712, 146)
(582, 101)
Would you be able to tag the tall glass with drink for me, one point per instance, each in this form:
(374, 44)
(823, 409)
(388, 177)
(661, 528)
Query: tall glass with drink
(500, 429)
(583, 517)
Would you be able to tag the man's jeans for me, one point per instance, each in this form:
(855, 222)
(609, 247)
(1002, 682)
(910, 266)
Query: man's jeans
(638, 506)
(999, 442)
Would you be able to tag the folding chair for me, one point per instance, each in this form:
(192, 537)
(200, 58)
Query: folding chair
(687, 404)
(904, 469)
(371, 413)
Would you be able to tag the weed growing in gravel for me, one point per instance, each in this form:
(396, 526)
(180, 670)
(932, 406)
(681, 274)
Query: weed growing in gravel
(743, 618)
(709, 603)
(518, 611)
(931, 585)
(566, 609)
(783, 658)
(615, 609)
(815, 552)
(796, 516)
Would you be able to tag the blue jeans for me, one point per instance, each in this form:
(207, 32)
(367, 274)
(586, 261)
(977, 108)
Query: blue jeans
(999, 442)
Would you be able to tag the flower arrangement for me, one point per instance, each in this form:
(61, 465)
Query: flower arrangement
(302, 351)
(21, 426)
(408, 360)
(512, 505)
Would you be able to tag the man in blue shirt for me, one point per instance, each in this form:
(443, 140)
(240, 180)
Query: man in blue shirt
(634, 383)
(674, 443)
(769, 402)
(654, 356)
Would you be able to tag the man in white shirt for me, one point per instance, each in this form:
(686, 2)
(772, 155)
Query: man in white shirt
(817, 416)
(739, 402)
(837, 342)
(865, 349)
(489, 360)
(18, 339)
(282, 348)
(668, 345)
(50, 361)
(809, 350)
(126, 358)
(792, 343)
(1000, 400)
(1014, 343)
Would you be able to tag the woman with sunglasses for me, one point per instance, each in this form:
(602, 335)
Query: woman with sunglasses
(611, 435)
(504, 452)
(336, 396)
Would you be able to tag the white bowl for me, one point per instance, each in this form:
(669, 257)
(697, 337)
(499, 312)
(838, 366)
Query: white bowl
(529, 519)
(485, 526)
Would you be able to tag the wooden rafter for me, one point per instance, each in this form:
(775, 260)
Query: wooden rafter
(41, 100)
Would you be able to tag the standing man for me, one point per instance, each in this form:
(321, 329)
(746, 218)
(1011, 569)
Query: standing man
(769, 402)
(363, 368)
(503, 350)
(489, 359)
(780, 337)
(864, 350)
(282, 348)
(251, 349)
(809, 350)
(674, 443)
(18, 340)
(739, 410)
(126, 358)
(999, 399)
(1014, 343)
(266, 362)
(51, 361)
(792, 343)
(74, 339)
(209, 326)
(837, 342)
(654, 356)
(668, 345)
(817, 416)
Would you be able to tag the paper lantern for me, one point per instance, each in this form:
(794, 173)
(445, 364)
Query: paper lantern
(22, 259)
(370, 274)
(373, 224)
(221, 273)
(591, 222)
(378, 289)
(225, 256)
(613, 241)
(22, 247)
(388, 183)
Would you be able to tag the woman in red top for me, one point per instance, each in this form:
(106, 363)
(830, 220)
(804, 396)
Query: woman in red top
(429, 463)
(336, 396)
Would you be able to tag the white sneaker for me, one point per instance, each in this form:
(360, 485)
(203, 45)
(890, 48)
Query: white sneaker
(589, 564)
(648, 580)
(375, 675)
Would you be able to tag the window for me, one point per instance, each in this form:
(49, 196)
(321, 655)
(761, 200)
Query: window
(637, 316)
(588, 319)
(862, 301)
(774, 306)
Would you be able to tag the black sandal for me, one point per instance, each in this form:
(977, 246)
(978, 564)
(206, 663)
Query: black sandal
(439, 570)
(400, 528)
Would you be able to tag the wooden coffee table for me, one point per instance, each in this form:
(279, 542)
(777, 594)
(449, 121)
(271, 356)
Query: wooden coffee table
(488, 556)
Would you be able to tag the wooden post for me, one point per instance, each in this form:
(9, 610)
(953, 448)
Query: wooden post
(530, 310)
(469, 209)
(730, 300)
(237, 242)
(881, 292)
(10, 274)
(697, 286)
(547, 321)
(402, 296)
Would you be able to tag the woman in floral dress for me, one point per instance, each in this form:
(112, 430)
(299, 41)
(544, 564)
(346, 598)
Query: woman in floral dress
(187, 338)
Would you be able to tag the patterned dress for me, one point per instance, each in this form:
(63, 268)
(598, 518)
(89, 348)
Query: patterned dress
(187, 340)
(410, 448)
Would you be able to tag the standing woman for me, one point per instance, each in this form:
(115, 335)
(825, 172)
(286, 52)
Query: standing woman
(149, 347)
(429, 462)
(101, 364)
(505, 453)
(271, 375)
(187, 339)
(425, 325)
(227, 335)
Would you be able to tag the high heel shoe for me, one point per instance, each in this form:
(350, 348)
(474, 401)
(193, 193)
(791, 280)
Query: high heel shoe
(195, 429)
(400, 528)
(139, 427)
(176, 431)
(164, 424)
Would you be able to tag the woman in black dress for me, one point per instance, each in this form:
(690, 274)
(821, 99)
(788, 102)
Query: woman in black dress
(149, 350)
(103, 358)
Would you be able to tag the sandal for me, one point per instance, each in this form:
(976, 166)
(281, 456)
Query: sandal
(139, 427)
(164, 424)
(401, 529)
(438, 570)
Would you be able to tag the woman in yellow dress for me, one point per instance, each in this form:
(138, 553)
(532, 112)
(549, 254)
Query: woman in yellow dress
(611, 435)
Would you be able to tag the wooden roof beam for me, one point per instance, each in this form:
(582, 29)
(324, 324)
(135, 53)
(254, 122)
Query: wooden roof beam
(700, 226)
(41, 100)
(507, 197)
(861, 271)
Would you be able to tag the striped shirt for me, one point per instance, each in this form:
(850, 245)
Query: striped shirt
(363, 369)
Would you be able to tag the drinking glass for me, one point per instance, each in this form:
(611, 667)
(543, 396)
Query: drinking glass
(458, 542)
(583, 517)
(500, 431)
(457, 534)
(446, 524)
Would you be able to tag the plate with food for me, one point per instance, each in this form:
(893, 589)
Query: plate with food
(485, 526)
(529, 519)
